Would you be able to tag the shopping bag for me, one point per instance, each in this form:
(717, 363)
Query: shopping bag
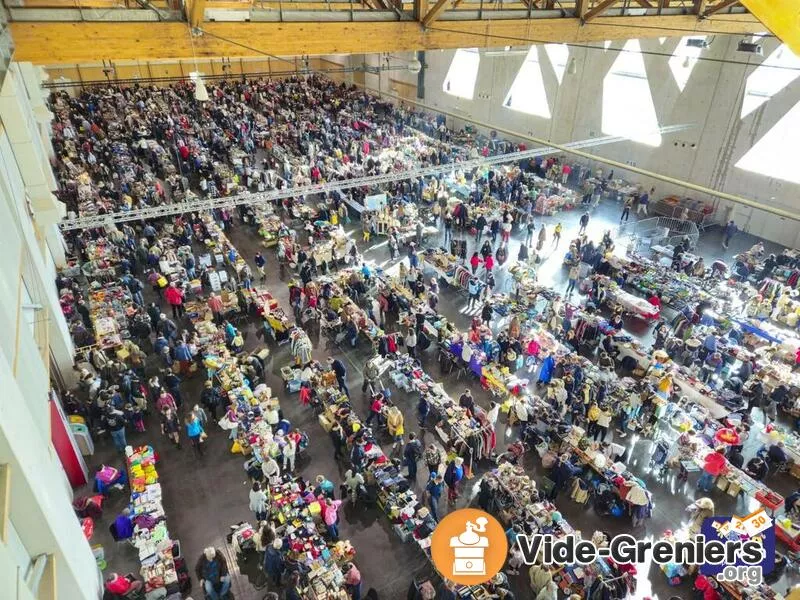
(236, 448)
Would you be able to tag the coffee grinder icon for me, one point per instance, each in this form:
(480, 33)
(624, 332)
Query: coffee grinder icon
(469, 549)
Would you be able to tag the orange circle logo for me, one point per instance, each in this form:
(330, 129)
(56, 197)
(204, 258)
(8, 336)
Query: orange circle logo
(469, 546)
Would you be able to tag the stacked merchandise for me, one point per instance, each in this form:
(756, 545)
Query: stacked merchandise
(323, 252)
(442, 263)
(733, 480)
(635, 305)
(296, 512)
(270, 227)
(516, 502)
(109, 308)
(344, 305)
(162, 571)
(409, 518)
(474, 431)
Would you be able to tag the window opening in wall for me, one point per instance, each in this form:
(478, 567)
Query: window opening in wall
(774, 154)
(683, 61)
(527, 93)
(462, 74)
(628, 109)
(559, 58)
(779, 69)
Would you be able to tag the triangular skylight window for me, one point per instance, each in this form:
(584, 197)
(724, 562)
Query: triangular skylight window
(463, 73)
(527, 93)
(559, 56)
(628, 109)
(780, 69)
(774, 154)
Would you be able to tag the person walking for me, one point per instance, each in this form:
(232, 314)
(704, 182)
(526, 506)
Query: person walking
(530, 227)
(474, 289)
(433, 459)
(452, 478)
(331, 517)
(644, 200)
(411, 343)
(626, 209)
(395, 425)
(340, 371)
(411, 454)
(170, 426)
(713, 465)
(258, 502)
(434, 491)
(352, 581)
(557, 234)
(584, 222)
(574, 273)
(174, 295)
(195, 433)
(289, 454)
(114, 421)
(261, 264)
(274, 564)
(729, 231)
(542, 238)
(212, 572)
(505, 234)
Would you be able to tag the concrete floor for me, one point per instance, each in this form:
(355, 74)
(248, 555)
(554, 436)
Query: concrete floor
(204, 496)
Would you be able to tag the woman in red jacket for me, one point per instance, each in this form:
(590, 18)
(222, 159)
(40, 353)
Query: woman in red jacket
(174, 296)
(714, 464)
(475, 262)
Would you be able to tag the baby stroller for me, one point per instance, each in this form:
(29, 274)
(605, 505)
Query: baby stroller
(513, 453)
(658, 461)
(331, 330)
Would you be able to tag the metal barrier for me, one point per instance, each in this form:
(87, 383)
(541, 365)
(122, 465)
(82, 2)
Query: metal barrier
(661, 231)
(701, 219)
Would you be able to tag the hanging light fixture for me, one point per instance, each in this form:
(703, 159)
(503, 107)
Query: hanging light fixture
(414, 66)
(572, 69)
(200, 91)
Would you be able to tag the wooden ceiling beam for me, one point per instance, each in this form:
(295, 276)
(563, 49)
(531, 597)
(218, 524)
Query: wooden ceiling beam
(196, 12)
(599, 9)
(434, 12)
(712, 10)
(60, 43)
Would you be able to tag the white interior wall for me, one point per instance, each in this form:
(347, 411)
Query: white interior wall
(40, 509)
(711, 101)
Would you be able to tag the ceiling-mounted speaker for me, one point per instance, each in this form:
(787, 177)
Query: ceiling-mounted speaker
(697, 43)
(750, 48)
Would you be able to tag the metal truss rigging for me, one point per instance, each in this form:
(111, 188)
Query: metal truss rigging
(164, 210)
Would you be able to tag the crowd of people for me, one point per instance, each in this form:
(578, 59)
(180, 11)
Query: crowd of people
(124, 148)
